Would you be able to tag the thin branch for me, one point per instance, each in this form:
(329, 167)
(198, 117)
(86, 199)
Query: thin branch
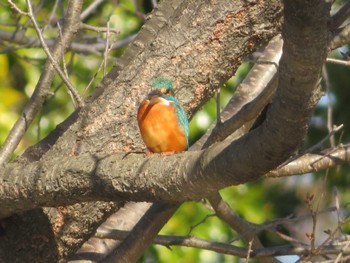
(341, 37)
(249, 250)
(308, 163)
(337, 205)
(107, 50)
(329, 104)
(338, 61)
(69, 85)
(142, 234)
(65, 70)
(320, 144)
(289, 238)
(222, 248)
(242, 227)
(98, 29)
(199, 223)
(53, 12)
(218, 108)
(316, 146)
(42, 88)
(340, 16)
(96, 249)
(102, 64)
(90, 9)
(31, 42)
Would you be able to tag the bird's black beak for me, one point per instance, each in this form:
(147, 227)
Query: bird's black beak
(156, 96)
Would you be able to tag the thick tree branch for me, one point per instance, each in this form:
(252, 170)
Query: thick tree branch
(95, 126)
(142, 234)
(153, 178)
(191, 58)
(96, 249)
(263, 77)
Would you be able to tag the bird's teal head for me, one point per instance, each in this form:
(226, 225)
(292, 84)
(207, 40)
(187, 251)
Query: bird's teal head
(162, 83)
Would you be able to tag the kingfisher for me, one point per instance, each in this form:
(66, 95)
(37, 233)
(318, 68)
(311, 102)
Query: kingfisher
(162, 120)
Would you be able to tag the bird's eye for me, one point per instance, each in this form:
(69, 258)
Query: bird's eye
(169, 92)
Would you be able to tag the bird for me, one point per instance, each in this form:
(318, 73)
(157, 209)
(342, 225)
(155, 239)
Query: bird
(162, 121)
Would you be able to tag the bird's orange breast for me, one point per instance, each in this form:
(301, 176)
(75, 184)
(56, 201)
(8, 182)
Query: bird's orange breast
(160, 129)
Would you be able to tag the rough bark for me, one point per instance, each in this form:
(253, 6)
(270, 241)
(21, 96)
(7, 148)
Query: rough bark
(198, 55)
(322, 19)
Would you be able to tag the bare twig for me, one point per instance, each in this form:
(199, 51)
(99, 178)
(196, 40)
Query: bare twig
(69, 85)
(314, 147)
(320, 144)
(329, 105)
(25, 42)
(340, 16)
(230, 249)
(340, 255)
(65, 70)
(218, 108)
(104, 61)
(242, 227)
(42, 88)
(289, 238)
(338, 61)
(249, 250)
(199, 223)
(53, 12)
(340, 37)
(90, 9)
(337, 205)
(107, 49)
(98, 29)
(308, 162)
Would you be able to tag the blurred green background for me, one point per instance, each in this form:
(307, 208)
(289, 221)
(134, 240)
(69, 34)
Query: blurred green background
(257, 202)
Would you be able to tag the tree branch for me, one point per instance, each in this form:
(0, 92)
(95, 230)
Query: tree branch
(340, 16)
(340, 38)
(262, 77)
(31, 42)
(309, 162)
(94, 128)
(142, 234)
(113, 178)
(234, 250)
(149, 56)
(42, 88)
(241, 226)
